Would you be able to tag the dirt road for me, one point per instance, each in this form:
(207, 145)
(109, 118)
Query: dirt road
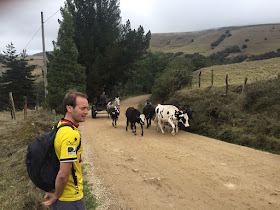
(188, 171)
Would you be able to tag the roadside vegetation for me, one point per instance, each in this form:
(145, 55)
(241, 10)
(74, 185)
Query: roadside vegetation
(250, 119)
(16, 189)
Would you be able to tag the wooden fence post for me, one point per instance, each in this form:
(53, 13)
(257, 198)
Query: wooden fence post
(37, 103)
(199, 76)
(226, 85)
(212, 78)
(244, 85)
(25, 107)
(13, 110)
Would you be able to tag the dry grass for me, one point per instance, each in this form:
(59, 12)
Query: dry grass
(32, 60)
(16, 189)
(253, 70)
(38, 61)
(175, 42)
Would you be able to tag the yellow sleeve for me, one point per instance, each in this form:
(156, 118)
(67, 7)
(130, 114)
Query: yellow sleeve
(70, 140)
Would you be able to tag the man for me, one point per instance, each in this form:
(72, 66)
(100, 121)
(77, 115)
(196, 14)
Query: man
(148, 102)
(103, 99)
(68, 193)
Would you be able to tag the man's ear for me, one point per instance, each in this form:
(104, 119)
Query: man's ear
(69, 108)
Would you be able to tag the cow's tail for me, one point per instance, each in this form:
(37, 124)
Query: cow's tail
(156, 119)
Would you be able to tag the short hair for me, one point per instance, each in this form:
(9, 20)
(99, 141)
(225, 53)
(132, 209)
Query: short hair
(70, 99)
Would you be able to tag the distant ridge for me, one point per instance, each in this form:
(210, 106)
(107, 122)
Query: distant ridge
(258, 39)
(41, 53)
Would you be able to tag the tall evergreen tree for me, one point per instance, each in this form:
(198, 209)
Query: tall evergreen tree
(64, 72)
(17, 79)
(107, 48)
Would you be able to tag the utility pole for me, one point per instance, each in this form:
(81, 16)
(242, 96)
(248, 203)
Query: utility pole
(44, 57)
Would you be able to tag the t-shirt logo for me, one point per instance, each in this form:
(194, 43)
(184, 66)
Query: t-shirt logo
(71, 150)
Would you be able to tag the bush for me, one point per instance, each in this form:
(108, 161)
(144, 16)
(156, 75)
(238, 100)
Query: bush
(221, 38)
(251, 120)
(178, 54)
(264, 56)
(177, 75)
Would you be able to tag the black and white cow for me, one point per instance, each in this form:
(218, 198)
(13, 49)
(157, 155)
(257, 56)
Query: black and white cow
(111, 104)
(134, 116)
(149, 112)
(172, 115)
(114, 113)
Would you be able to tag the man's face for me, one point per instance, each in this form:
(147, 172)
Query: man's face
(79, 113)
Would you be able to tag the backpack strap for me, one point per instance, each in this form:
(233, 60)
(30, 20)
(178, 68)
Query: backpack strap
(63, 125)
(73, 170)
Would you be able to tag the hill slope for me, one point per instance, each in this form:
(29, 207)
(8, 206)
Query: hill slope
(259, 39)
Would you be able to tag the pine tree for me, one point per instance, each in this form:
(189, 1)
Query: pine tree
(64, 72)
(107, 48)
(17, 79)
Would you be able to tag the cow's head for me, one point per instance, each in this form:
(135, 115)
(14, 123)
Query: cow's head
(182, 117)
(117, 101)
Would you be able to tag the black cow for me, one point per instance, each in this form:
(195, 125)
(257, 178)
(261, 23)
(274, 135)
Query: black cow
(149, 112)
(134, 116)
(114, 113)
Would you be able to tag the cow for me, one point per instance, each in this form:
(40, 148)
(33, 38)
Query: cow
(134, 116)
(172, 115)
(114, 113)
(116, 102)
(149, 112)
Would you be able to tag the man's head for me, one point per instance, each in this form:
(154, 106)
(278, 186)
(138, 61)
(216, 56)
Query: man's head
(75, 106)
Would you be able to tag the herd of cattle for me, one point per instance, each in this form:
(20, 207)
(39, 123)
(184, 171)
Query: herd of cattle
(164, 114)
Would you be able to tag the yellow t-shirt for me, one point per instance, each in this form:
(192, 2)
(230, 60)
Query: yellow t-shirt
(66, 143)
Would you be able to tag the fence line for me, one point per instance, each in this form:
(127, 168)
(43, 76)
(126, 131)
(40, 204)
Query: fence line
(226, 82)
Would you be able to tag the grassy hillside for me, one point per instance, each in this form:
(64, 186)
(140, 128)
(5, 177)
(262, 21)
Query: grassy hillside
(38, 61)
(259, 39)
(253, 70)
(32, 60)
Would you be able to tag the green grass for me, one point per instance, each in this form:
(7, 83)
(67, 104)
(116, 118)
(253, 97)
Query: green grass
(89, 197)
(16, 189)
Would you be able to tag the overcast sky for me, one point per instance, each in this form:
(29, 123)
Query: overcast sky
(21, 19)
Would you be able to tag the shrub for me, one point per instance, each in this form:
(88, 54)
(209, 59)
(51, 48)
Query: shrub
(244, 46)
(217, 42)
(177, 75)
(178, 54)
(251, 120)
